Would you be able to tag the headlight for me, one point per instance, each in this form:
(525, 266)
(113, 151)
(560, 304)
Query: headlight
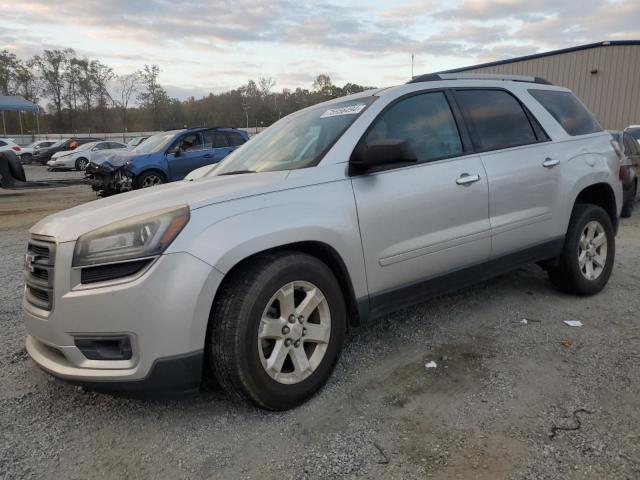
(136, 237)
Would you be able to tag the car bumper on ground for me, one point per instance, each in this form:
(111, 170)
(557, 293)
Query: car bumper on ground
(163, 314)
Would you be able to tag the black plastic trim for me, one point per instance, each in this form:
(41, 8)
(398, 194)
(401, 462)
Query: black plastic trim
(388, 301)
(169, 377)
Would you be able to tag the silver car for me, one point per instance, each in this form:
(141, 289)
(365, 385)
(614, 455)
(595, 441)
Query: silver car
(251, 272)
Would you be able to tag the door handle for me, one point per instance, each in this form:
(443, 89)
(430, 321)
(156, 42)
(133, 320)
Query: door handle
(550, 162)
(466, 179)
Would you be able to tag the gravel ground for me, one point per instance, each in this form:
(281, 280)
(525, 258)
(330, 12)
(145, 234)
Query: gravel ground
(487, 411)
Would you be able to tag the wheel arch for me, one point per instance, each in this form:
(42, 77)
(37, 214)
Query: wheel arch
(321, 251)
(602, 195)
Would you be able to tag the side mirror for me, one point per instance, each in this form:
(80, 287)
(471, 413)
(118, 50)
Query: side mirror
(177, 153)
(94, 149)
(368, 156)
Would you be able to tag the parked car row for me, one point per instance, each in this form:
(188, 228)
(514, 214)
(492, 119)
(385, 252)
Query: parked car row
(164, 157)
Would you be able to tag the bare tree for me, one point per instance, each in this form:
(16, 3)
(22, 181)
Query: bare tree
(8, 64)
(265, 84)
(52, 65)
(153, 96)
(127, 86)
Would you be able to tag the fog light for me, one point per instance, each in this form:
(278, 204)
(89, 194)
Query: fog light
(105, 348)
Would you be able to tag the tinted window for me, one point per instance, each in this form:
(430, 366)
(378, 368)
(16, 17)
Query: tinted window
(116, 145)
(235, 138)
(425, 121)
(220, 140)
(631, 146)
(496, 119)
(3, 144)
(103, 145)
(634, 132)
(568, 111)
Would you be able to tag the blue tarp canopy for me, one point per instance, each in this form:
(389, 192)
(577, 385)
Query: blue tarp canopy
(15, 103)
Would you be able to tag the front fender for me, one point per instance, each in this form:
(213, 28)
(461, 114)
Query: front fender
(225, 234)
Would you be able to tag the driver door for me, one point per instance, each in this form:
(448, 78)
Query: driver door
(187, 154)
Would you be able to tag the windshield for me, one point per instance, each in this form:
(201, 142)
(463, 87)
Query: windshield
(154, 143)
(59, 143)
(85, 146)
(634, 132)
(297, 141)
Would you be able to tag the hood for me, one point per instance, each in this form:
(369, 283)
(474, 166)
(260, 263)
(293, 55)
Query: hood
(62, 153)
(117, 158)
(68, 225)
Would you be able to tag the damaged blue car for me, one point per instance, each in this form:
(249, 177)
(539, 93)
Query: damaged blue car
(165, 157)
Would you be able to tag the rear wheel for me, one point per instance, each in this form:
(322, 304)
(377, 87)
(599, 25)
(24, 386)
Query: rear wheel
(26, 158)
(277, 329)
(149, 179)
(81, 164)
(589, 252)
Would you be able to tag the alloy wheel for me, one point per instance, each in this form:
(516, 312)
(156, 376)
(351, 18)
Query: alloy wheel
(592, 250)
(151, 181)
(294, 332)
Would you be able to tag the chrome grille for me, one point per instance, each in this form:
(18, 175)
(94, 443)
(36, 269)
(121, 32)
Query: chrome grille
(38, 274)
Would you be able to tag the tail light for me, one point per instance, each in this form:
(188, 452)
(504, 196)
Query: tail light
(16, 148)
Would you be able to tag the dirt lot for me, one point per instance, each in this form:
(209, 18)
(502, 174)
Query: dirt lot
(487, 411)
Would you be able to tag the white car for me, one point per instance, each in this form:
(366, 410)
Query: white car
(26, 153)
(79, 158)
(634, 131)
(9, 144)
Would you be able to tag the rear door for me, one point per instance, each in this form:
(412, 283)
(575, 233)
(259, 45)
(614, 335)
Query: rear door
(423, 220)
(522, 165)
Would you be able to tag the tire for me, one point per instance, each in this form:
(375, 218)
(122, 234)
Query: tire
(630, 202)
(26, 158)
(569, 275)
(237, 356)
(150, 178)
(15, 167)
(81, 164)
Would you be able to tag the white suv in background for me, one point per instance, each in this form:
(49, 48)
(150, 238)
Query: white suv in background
(336, 214)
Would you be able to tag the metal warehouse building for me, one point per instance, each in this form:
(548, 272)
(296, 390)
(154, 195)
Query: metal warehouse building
(605, 75)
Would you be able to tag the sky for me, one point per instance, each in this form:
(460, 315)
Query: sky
(212, 46)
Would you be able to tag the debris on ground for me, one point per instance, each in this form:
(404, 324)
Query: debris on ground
(385, 459)
(431, 364)
(573, 323)
(565, 343)
(578, 424)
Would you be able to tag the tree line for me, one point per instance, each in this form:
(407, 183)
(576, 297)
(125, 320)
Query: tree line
(81, 95)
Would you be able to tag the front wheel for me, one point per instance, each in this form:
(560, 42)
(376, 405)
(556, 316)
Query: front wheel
(589, 252)
(277, 330)
(81, 164)
(149, 179)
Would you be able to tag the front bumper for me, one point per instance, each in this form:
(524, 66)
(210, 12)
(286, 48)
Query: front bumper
(164, 311)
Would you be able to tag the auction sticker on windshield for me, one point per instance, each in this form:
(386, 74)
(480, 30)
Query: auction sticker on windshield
(350, 110)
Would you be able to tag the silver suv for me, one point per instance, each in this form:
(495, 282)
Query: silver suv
(252, 273)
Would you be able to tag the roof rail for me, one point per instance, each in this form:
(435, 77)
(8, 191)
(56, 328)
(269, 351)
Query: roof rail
(434, 77)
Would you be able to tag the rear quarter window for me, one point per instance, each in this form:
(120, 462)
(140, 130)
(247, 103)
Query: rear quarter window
(568, 111)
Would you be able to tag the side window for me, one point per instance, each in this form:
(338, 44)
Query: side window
(235, 138)
(103, 145)
(3, 144)
(496, 119)
(568, 111)
(425, 121)
(190, 143)
(209, 136)
(220, 140)
(631, 146)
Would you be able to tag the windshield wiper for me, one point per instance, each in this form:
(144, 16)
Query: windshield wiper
(236, 172)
